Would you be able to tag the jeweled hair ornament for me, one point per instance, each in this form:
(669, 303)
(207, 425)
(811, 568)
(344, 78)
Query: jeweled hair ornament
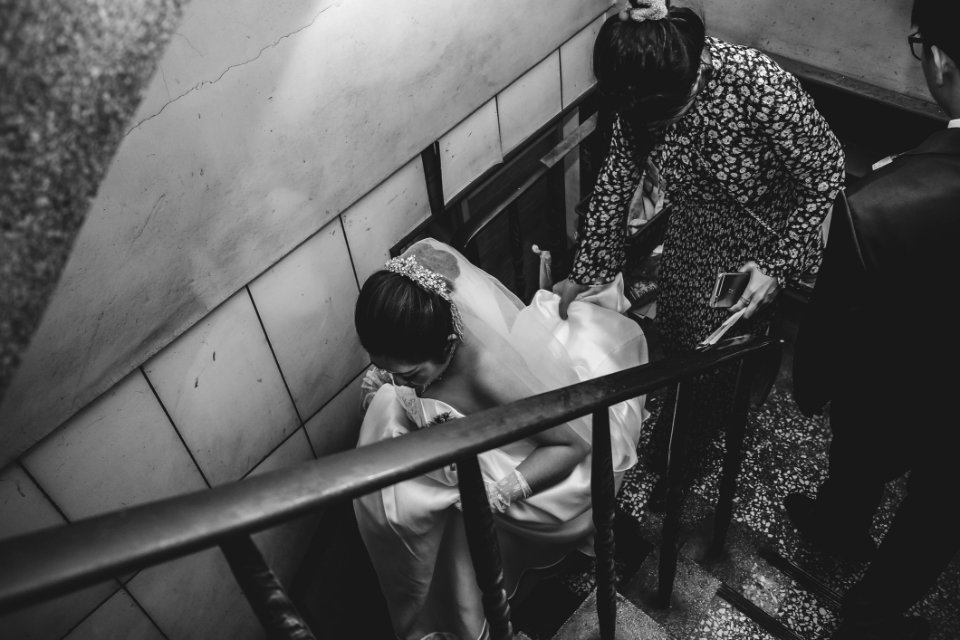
(641, 10)
(428, 280)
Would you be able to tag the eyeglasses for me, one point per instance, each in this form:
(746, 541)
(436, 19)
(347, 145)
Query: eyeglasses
(916, 45)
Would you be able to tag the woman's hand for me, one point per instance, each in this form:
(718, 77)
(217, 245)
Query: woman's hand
(568, 290)
(761, 290)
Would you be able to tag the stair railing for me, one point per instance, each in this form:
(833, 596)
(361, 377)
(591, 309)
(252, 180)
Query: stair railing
(44, 564)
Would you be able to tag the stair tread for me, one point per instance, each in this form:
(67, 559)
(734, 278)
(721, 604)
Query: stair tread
(693, 592)
(632, 623)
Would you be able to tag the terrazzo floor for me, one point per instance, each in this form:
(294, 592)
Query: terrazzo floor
(785, 452)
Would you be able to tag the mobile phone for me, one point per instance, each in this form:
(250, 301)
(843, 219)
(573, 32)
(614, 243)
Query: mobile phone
(728, 289)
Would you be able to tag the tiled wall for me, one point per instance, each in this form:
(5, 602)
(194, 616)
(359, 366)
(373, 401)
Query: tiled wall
(269, 378)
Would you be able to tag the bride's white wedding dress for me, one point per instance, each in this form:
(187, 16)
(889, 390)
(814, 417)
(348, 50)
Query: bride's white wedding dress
(413, 530)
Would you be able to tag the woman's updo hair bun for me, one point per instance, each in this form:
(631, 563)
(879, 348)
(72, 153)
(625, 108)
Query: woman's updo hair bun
(640, 10)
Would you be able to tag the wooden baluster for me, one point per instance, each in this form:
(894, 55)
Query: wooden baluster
(604, 501)
(484, 548)
(263, 590)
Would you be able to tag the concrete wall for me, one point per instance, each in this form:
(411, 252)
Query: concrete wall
(862, 39)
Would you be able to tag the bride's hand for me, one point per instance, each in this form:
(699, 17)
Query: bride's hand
(568, 290)
(761, 290)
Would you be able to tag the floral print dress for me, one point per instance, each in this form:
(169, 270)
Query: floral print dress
(750, 172)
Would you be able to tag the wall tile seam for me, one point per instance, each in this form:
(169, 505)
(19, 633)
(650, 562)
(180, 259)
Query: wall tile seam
(301, 423)
(121, 587)
(337, 394)
(173, 424)
(303, 426)
(539, 127)
(272, 451)
(346, 238)
(23, 467)
(93, 610)
(143, 609)
(273, 353)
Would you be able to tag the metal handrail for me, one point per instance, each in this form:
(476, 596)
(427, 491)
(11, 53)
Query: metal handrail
(51, 562)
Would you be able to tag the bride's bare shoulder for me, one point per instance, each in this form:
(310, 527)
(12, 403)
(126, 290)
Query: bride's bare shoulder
(498, 382)
(470, 384)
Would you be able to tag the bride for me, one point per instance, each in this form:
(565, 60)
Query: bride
(446, 339)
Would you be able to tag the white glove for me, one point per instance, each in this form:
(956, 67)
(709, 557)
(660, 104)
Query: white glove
(510, 489)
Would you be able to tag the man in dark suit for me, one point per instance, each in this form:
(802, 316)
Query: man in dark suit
(879, 345)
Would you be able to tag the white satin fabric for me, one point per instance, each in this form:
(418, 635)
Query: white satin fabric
(413, 530)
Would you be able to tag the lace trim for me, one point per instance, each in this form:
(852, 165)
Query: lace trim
(411, 405)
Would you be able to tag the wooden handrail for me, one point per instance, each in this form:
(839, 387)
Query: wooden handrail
(54, 561)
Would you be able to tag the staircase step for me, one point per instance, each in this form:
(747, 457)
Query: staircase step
(693, 592)
(632, 623)
(740, 566)
(723, 621)
(773, 598)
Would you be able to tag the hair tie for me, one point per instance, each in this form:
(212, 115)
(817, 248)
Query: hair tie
(428, 280)
(642, 10)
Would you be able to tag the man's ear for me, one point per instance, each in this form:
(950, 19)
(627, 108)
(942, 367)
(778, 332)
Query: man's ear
(948, 64)
(938, 62)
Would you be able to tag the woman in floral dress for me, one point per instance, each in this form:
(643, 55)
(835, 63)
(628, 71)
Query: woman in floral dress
(749, 167)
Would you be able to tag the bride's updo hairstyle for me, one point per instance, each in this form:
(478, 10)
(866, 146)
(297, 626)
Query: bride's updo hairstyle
(397, 318)
(647, 60)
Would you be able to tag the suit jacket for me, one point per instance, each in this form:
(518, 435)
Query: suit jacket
(880, 321)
